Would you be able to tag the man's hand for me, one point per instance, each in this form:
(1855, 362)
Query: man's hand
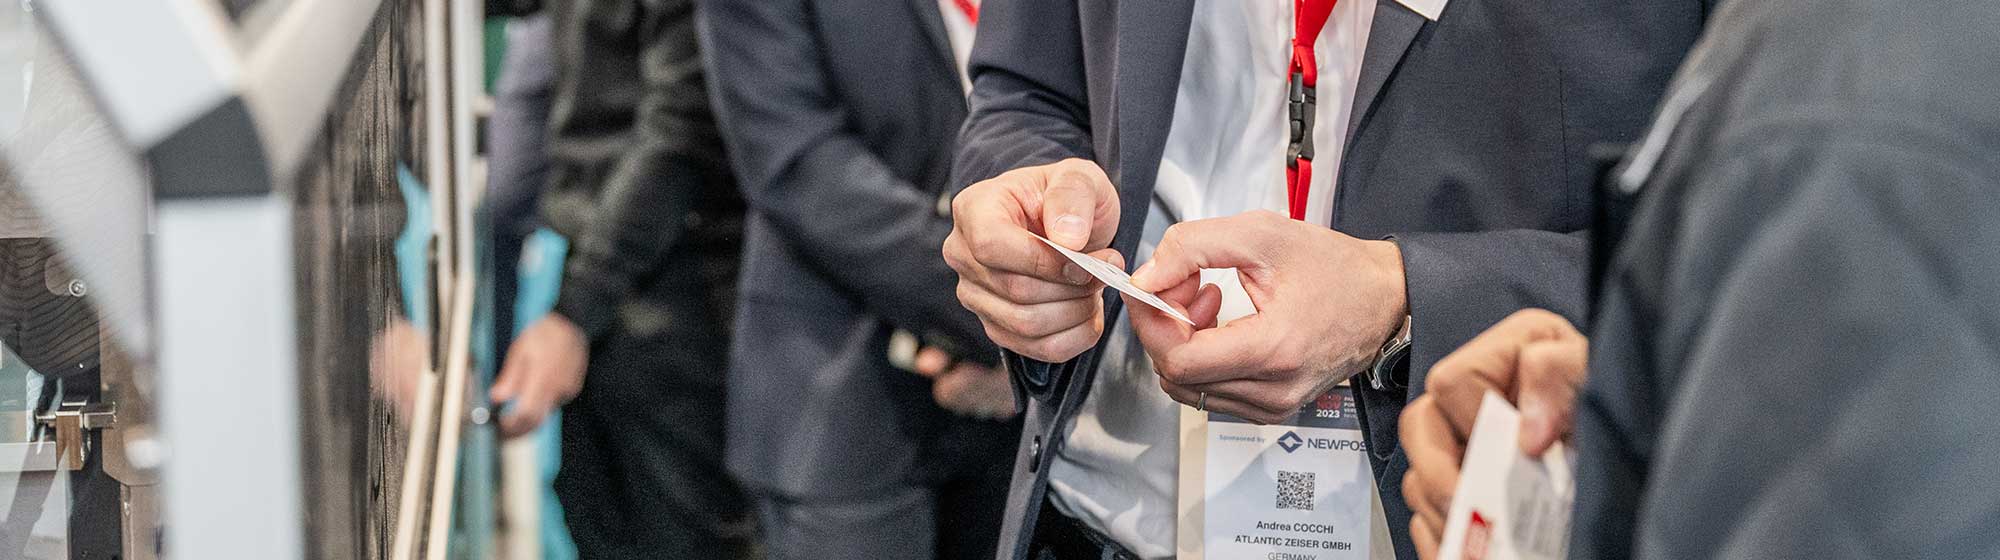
(544, 370)
(1535, 359)
(967, 388)
(1326, 302)
(1030, 298)
(398, 361)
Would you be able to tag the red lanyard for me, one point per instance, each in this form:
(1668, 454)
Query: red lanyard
(1300, 96)
(970, 9)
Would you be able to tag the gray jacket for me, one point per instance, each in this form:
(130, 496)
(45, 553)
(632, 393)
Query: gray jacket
(1469, 145)
(1795, 347)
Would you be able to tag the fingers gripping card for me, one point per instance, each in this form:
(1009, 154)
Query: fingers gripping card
(1116, 279)
(1508, 506)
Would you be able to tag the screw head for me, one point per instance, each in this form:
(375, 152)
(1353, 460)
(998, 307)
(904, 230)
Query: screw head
(77, 288)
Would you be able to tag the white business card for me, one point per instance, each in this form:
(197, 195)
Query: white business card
(1508, 506)
(1115, 278)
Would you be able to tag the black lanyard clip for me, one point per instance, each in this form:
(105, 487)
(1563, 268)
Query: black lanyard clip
(1301, 106)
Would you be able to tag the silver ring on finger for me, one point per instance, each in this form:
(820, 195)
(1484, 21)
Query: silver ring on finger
(1201, 402)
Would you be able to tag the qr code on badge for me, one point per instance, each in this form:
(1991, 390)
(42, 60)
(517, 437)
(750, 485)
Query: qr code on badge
(1295, 490)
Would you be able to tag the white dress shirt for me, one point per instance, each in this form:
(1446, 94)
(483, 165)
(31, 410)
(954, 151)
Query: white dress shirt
(1225, 155)
(959, 29)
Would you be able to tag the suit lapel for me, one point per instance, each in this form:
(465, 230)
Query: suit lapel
(931, 19)
(1151, 43)
(1389, 38)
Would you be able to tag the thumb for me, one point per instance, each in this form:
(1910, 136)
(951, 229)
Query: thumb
(1158, 332)
(1207, 304)
(1188, 247)
(522, 420)
(1079, 206)
(1549, 372)
(1201, 302)
(508, 384)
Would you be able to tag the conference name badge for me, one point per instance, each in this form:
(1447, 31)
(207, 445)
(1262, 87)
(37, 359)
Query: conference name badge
(1300, 490)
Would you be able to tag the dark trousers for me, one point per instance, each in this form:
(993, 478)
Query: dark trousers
(955, 514)
(642, 473)
(1058, 537)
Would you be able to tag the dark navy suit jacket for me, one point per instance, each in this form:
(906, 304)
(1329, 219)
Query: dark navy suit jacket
(1470, 146)
(841, 117)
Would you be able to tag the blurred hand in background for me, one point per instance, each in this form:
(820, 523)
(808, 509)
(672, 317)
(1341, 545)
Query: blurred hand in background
(398, 359)
(543, 370)
(967, 388)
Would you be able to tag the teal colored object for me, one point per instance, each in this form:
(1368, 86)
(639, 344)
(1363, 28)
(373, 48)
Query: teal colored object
(540, 273)
(494, 34)
(542, 257)
(540, 276)
(474, 519)
(413, 270)
(479, 486)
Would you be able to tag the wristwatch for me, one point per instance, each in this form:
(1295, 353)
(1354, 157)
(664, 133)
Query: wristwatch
(1394, 354)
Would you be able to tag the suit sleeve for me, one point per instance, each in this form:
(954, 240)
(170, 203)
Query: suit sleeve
(1827, 322)
(654, 182)
(802, 168)
(1029, 107)
(1029, 104)
(1458, 284)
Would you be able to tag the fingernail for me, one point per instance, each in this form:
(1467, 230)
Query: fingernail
(1139, 277)
(1075, 274)
(1536, 426)
(1070, 226)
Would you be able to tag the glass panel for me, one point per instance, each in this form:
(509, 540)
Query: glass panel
(367, 293)
(34, 494)
(61, 493)
(368, 312)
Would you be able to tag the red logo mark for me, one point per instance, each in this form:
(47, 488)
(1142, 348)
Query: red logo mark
(1329, 401)
(1477, 536)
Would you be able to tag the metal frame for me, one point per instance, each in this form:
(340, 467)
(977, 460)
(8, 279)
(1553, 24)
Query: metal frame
(225, 119)
(225, 114)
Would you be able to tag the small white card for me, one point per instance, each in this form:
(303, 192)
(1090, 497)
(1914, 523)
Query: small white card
(1430, 9)
(1508, 506)
(1116, 278)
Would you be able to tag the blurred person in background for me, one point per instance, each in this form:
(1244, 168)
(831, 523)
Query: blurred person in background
(527, 258)
(639, 184)
(841, 118)
(1792, 351)
(518, 155)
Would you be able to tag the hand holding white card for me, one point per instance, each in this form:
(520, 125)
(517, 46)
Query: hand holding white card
(1116, 278)
(1508, 506)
